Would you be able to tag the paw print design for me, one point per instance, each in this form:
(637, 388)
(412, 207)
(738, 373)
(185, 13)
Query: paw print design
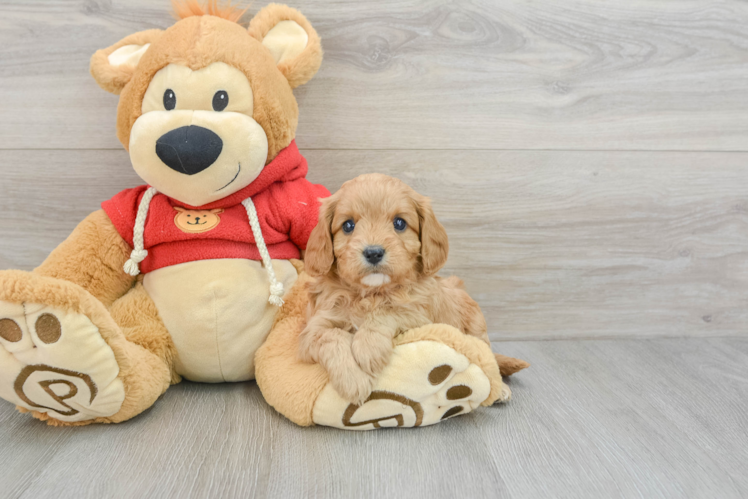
(425, 382)
(56, 362)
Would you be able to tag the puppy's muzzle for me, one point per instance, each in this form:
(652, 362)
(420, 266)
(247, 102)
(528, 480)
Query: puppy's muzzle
(373, 254)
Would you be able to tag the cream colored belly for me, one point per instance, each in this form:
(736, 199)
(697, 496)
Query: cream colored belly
(218, 314)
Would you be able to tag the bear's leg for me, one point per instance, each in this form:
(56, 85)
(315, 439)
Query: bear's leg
(435, 372)
(288, 384)
(137, 316)
(64, 358)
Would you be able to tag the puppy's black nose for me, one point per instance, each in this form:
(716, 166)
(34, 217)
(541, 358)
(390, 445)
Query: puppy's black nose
(373, 254)
(190, 149)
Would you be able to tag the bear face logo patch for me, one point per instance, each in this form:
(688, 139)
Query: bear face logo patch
(197, 221)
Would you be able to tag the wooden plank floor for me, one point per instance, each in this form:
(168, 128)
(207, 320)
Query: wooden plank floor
(598, 418)
(590, 162)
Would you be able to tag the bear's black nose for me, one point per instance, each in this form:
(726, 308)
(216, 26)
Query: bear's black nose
(189, 150)
(373, 254)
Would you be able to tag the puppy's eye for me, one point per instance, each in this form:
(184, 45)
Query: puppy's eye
(220, 100)
(399, 224)
(170, 100)
(348, 226)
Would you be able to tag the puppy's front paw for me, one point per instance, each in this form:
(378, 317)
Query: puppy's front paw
(371, 352)
(352, 384)
(308, 348)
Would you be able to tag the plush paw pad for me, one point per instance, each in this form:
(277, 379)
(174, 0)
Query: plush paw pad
(56, 362)
(424, 383)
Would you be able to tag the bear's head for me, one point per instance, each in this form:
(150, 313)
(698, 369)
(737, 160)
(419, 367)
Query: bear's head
(206, 104)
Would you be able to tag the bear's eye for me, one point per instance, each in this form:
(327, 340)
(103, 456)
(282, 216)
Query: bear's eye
(170, 100)
(399, 224)
(348, 226)
(220, 100)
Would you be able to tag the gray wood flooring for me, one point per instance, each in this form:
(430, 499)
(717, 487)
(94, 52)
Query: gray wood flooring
(597, 418)
(589, 160)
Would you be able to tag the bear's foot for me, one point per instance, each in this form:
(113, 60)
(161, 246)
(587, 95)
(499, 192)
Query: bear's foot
(435, 372)
(55, 362)
(426, 381)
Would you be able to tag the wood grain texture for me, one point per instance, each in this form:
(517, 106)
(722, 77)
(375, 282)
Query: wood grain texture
(551, 244)
(423, 74)
(653, 418)
(524, 121)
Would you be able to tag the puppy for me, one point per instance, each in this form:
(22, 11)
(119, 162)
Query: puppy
(374, 254)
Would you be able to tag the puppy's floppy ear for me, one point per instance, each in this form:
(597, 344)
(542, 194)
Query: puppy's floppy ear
(434, 240)
(114, 66)
(292, 41)
(320, 254)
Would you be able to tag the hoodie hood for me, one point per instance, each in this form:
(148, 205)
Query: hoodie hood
(288, 165)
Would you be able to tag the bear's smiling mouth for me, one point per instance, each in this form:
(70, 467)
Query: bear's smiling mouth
(196, 223)
(232, 180)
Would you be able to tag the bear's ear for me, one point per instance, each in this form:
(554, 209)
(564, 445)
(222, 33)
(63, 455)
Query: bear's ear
(113, 67)
(292, 41)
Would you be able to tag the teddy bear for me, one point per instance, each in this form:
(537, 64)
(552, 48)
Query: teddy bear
(196, 274)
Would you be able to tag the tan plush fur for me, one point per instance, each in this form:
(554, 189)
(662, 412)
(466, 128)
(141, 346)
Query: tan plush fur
(471, 347)
(144, 375)
(288, 384)
(302, 68)
(92, 257)
(351, 324)
(114, 78)
(84, 274)
(137, 316)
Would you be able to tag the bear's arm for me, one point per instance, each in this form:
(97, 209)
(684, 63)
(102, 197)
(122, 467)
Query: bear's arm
(92, 257)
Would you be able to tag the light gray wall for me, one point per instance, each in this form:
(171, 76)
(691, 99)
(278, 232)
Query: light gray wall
(587, 158)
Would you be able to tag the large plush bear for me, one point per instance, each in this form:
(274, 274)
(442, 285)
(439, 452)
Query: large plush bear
(185, 276)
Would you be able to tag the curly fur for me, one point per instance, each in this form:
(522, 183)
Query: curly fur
(351, 325)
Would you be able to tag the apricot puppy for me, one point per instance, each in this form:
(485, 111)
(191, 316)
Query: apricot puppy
(374, 254)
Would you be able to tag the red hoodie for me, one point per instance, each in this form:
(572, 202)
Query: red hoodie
(287, 206)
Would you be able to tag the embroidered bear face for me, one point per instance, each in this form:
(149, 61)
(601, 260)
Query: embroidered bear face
(197, 221)
(206, 104)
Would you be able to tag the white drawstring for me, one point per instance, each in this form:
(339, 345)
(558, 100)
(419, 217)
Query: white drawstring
(276, 288)
(139, 253)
